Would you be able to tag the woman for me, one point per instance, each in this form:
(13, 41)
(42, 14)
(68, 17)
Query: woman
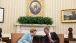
(28, 37)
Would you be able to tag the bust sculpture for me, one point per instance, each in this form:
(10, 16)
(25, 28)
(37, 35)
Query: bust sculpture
(0, 32)
(70, 35)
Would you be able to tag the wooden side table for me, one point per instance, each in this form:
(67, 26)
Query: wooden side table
(66, 40)
(5, 39)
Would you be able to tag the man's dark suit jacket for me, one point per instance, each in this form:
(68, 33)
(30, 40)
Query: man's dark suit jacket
(53, 36)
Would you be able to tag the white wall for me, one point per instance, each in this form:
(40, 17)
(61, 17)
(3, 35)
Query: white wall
(17, 8)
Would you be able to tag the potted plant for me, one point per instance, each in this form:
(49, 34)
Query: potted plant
(35, 20)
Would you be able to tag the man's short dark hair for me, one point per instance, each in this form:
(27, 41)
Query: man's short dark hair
(0, 32)
(46, 28)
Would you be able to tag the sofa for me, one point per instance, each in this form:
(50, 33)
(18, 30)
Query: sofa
(16, 36)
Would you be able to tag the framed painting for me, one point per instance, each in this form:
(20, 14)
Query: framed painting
(68, 15)
(1, 15)
(35, 8)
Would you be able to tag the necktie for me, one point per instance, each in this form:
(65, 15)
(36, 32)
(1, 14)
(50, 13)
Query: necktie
(49, 37)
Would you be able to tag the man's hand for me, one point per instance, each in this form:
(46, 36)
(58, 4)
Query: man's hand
(52, 41)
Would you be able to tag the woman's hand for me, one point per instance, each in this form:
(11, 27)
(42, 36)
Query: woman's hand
(31, 42)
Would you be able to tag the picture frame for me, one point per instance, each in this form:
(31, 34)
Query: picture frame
(1, 15)
(68, 15)
(35, 8)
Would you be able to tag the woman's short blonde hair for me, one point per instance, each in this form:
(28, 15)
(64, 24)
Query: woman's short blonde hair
(32, 30)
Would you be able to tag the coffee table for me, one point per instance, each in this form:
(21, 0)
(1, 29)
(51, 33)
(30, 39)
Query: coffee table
(2, 42)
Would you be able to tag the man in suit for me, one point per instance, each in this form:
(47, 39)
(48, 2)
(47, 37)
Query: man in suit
(50, 37)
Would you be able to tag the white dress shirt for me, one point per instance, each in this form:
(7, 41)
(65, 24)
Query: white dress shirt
(50, 36)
